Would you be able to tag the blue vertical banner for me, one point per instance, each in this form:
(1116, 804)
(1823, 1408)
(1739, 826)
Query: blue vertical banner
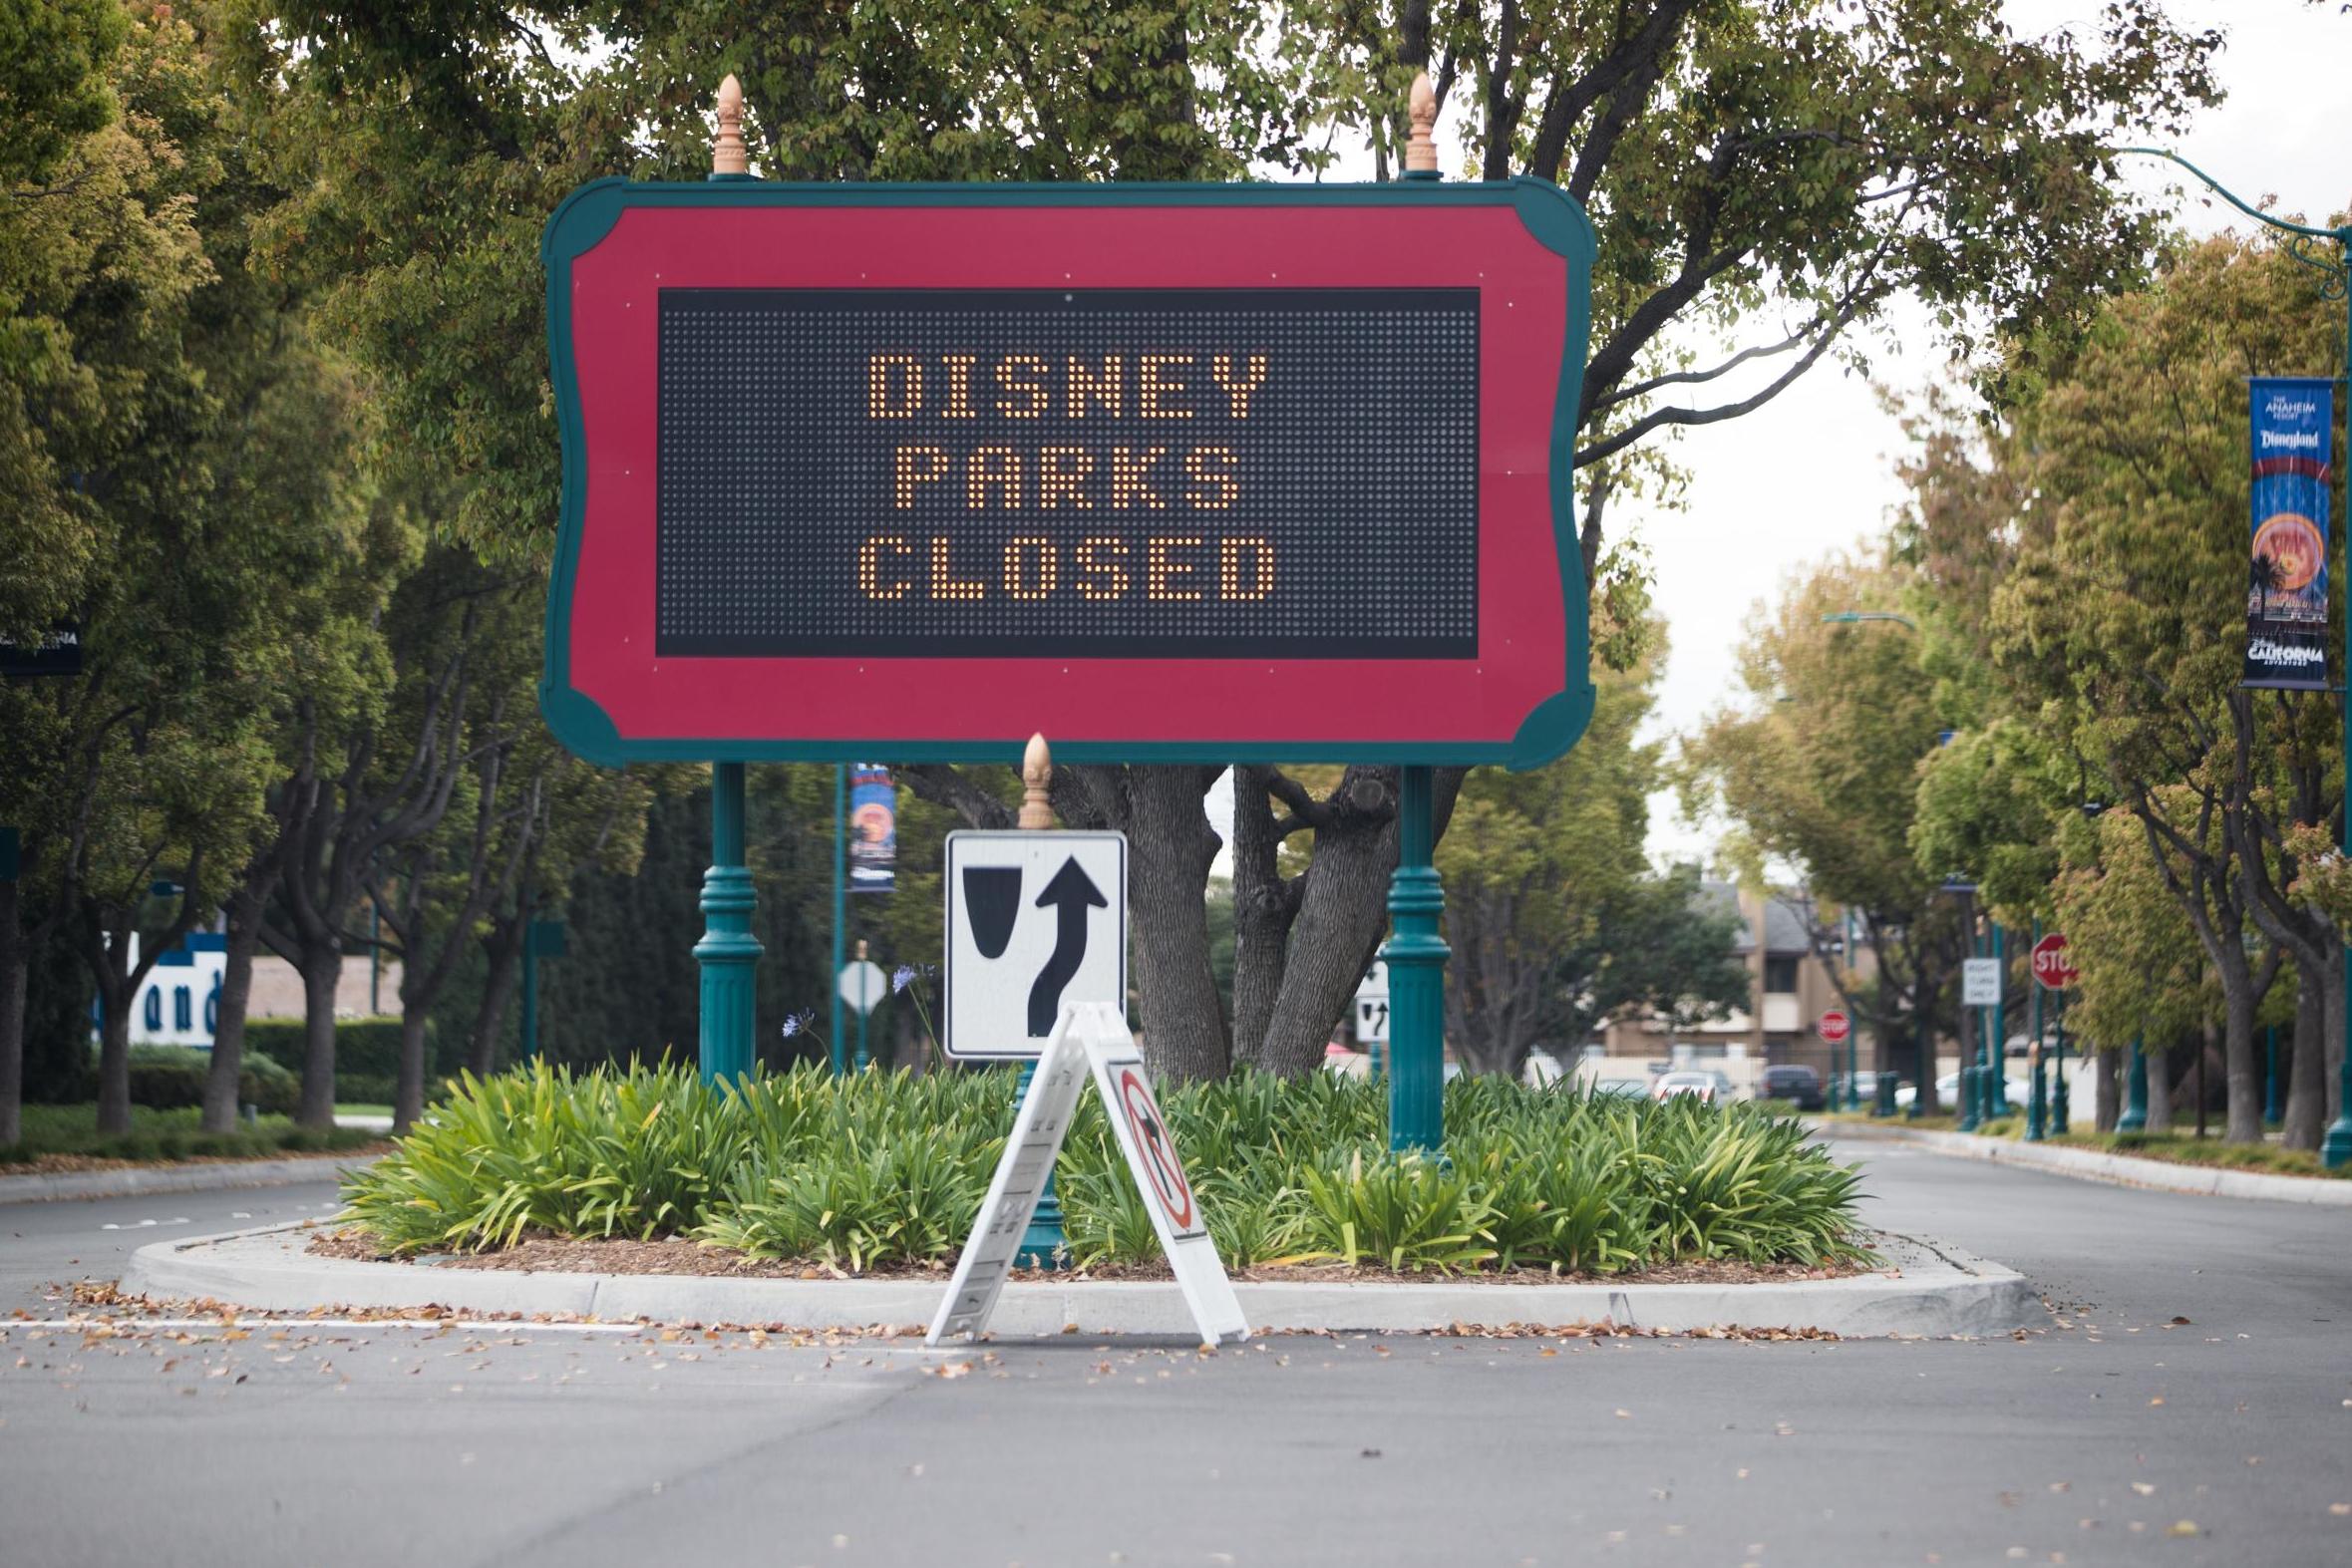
(2291, 423)
(873, 829)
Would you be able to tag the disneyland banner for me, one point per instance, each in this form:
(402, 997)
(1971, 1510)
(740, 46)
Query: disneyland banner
(2293, 422)
(873, 829)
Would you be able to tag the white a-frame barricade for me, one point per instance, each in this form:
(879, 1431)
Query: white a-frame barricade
(1090, 1035)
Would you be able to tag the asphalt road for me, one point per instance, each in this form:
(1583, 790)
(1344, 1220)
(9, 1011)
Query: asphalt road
(2117, 1436)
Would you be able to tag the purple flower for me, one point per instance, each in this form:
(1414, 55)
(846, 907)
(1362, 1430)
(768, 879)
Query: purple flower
(902, 977)
(798, 1022)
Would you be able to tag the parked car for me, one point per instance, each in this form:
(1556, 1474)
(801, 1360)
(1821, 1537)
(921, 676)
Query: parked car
(1621, 1087)
(1948, 1091)
(1708, 1089)
(1792, 1082)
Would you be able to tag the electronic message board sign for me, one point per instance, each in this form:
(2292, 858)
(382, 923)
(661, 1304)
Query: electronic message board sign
(1166, 473)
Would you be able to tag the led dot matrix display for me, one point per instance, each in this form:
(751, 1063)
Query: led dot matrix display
(1224, 473)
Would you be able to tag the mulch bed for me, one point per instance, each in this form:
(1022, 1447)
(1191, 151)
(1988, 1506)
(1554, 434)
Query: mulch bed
(553, 1254)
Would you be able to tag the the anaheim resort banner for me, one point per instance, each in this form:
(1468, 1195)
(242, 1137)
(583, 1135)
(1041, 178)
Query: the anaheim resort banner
(2293, 422)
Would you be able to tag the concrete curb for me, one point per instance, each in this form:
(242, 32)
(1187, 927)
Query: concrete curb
(131, 1180)
(2122, 1170)
(1933, 1292)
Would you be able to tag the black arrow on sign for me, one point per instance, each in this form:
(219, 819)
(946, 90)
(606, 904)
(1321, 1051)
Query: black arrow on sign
(1073, 892)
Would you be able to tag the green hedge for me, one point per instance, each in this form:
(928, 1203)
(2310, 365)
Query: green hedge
(878, 1168)
(367, 1047)
(367, 1056)
(167, 1078)
(166, 1135)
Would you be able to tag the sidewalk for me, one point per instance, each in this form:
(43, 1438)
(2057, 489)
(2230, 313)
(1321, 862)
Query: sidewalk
(2084, 1164)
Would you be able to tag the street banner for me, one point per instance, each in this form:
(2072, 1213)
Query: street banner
(873, 829)
(2291, 429)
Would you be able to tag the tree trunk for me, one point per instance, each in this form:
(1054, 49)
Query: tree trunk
(1170, 848)
(1263, 910)
(2106, 1096)
(113, 1042)
(1924, 1068)
(2160, 1090)
(16, 959)
(1342, 919)
(2305, 1120)
(408, 1095)
(323, 975)
(228, 1030)
(498, 988)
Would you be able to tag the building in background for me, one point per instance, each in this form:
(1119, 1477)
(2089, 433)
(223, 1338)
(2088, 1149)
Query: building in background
(1789, 988)
(179, 1003)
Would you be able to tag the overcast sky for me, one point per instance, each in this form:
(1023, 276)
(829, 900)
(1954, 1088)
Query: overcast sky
(1811, 473)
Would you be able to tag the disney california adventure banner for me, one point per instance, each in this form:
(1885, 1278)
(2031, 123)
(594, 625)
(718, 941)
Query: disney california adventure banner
(2293, 432)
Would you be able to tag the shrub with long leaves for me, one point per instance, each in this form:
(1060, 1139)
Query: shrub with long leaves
(879, 1169)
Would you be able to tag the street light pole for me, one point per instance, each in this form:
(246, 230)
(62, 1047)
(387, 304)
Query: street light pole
(2336, 1149)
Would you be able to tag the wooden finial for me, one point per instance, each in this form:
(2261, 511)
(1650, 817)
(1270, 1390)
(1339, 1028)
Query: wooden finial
(727, 153)
(1037, 773)
(1421, 148)
(862, 950)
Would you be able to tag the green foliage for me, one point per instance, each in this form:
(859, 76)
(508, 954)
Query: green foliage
(1556, 920)
(885, 1169)
(55, 60)
(167, 1078)
(364, 1048)
(157, 1135)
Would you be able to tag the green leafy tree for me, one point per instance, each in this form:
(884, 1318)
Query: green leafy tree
(2122, 626)
(1819, 767)
(1556, 922)
(203, 394)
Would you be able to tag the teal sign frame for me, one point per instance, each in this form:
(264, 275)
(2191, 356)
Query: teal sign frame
(1390, 715)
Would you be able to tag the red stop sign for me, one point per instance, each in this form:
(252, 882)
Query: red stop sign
(2052, 967)
(1835, 1025)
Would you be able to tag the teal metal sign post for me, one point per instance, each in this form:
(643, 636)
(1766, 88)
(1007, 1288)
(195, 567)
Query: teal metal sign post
(728, 950)
(1415, 952)
(540, 939)
(2135, 1116)
(841, 903)
(2058, 1106)
(2037, 1097)
(1416, 957)
(2335, 284)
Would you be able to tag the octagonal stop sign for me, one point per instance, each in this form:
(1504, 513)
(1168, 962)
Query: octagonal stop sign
(2053, 969)
(1833, 1026)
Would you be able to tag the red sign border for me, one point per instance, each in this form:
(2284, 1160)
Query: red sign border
(1525, 244)
(1187, 1223)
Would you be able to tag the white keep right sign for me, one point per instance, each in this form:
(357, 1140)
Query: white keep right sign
(1036, 922)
